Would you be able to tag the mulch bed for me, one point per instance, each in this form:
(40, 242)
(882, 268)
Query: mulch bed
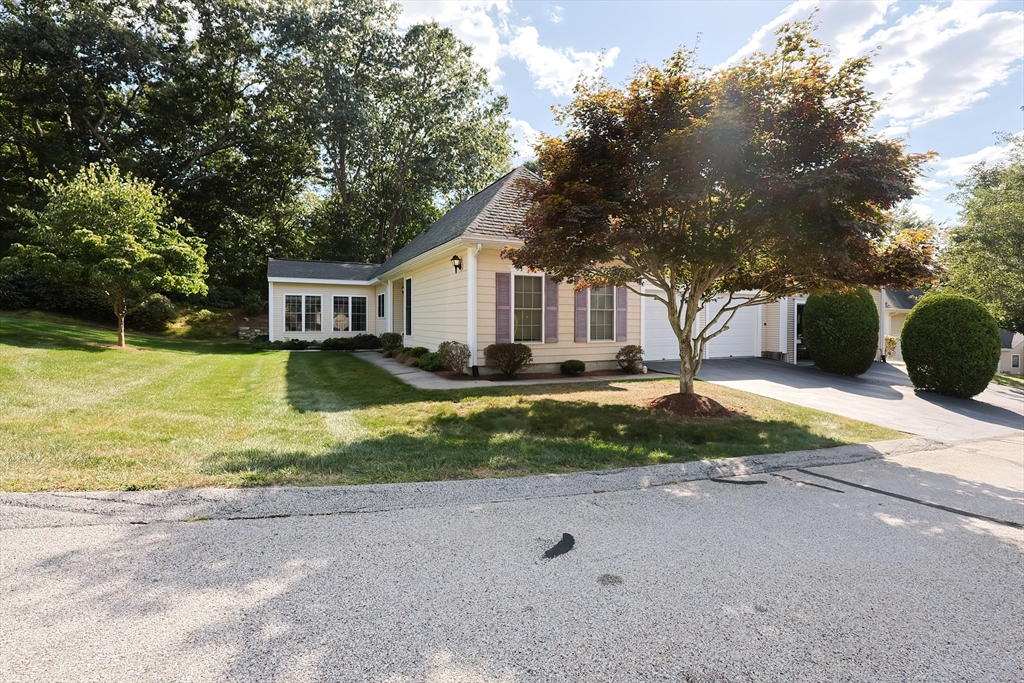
(690, 405)
(610, 374)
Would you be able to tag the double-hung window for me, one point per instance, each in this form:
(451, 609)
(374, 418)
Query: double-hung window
(350, 314)
(302, 312)
(528, 308)
(602, 314)
(1014, 360)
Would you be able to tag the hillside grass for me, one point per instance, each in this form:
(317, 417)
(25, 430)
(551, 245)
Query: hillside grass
(77, 414)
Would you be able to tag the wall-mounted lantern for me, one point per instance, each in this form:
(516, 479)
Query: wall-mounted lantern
(457, 262)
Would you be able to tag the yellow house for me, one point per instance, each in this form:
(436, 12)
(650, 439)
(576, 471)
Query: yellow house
(451, 283)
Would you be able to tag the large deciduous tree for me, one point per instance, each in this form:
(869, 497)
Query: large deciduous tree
(752, 182)
(111, 233)
(985, 256)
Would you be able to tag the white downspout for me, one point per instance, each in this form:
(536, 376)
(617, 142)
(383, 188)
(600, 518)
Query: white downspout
(471, 302)
(270, 310)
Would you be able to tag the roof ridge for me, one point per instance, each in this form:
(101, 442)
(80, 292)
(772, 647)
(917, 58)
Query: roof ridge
(521, 170)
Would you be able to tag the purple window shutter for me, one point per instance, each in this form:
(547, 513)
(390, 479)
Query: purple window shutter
(581, 315)
(550, 311)
(502, 308)
(621, 319)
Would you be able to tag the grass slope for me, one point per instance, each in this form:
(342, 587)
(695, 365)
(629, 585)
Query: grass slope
(78, 415)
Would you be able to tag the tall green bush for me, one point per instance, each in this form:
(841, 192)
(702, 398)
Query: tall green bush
(841, 331)
(950, 345)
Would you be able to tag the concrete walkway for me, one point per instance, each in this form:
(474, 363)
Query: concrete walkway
(421, 379)
(882, 396)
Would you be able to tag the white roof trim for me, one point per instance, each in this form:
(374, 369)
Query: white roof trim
(321, 281)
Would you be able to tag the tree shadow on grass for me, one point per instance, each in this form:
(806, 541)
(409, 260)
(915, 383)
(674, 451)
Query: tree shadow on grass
(530, 437)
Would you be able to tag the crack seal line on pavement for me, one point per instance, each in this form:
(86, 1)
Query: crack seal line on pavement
(955, 511)
(806, 483)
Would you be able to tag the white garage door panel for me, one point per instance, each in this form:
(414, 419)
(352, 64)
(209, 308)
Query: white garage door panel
(741, 339)
(659, 339)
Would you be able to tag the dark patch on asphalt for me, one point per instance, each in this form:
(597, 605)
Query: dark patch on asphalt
(560, 548)
(746, 482)
(806, 483)
(946, 508)
(609, 580)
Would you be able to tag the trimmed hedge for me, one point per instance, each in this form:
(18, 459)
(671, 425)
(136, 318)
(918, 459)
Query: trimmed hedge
(951, 345)
(841, 331)
(630, 358)
(432, 362)
(391, 341)
(508, 359)
(360, 341)
(573, 368)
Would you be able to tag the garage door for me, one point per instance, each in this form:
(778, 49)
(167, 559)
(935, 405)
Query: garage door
(659, 339)
(741, 339)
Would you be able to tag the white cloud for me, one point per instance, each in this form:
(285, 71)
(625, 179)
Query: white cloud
(556, 71)
(525, 137)
(480, 23)
(933, 62)
(555, 15)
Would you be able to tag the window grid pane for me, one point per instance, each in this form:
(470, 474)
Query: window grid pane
(292, 313)
(341, 314)
(602, 314)
(359, 314)
(313, 310)
(528, 309)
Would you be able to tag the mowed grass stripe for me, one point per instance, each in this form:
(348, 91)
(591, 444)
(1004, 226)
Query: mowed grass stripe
(75, 414)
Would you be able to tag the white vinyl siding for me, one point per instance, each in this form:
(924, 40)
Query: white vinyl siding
(602, 314)
(528, 309)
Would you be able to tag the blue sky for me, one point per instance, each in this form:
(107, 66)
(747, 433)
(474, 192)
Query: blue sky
(950, 73)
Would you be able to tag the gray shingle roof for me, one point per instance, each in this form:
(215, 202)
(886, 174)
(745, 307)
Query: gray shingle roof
(1006, 338)
(902, 299)
(321, 270)
(488, 213)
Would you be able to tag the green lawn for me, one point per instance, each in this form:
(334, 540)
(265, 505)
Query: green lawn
(76, 414)
(1008, 380)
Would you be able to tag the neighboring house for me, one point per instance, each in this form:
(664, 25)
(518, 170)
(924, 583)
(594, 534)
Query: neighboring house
(450, 283)
(1011, 353)
(897, 305)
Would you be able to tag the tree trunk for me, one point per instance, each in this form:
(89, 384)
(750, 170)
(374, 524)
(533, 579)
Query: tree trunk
(120, 330)
(686, 373)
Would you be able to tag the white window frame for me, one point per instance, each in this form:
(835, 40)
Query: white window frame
(350, 298)
(284, 313)
(590, 293)
(382, 305)
(1014, 360)
(516, 272)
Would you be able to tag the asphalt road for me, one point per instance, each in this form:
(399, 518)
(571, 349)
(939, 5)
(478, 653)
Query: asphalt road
(801, 578)
(883, 396)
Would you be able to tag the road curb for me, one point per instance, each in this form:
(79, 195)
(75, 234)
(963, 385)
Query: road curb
(36, 510)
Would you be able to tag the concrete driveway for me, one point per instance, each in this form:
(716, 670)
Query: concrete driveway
(904, 568)
(883, 396)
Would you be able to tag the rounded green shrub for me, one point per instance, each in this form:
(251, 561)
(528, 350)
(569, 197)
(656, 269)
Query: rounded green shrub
(573, 368)
(950, 345)
(841, 331)
(630, 358)
(416, 351)
(432, 362)
(391, 341)
(153, 315)
(508, 359)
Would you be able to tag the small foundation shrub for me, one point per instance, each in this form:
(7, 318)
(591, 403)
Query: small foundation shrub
(454, 354)
(508, 359)
(573, 368)
(391, 341)
(631, 359)
(432, 362)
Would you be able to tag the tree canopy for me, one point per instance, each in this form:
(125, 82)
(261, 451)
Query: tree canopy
(112, 233)
(290, 129)
(985, 255)
(752, 181)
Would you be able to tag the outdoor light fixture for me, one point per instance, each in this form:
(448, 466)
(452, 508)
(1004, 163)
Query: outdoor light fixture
(457, 262)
